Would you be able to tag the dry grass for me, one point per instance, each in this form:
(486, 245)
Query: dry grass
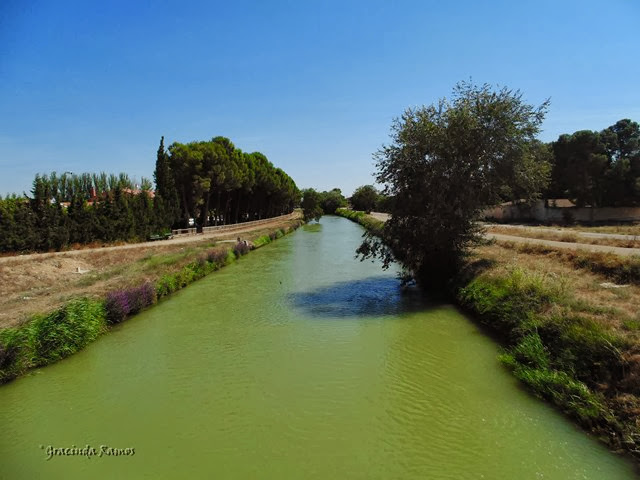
(618, 229)
(569, 236)
(615, 308)
(39, 283)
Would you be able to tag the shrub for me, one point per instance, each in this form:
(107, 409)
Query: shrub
(240, 249)
(217, 257)
(166, 285)
(263, 240)
(121, 303)
(117, 306)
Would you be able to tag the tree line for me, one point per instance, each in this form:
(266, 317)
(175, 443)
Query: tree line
(597, 168)
(197, 184)
(366, 198)
(214, 182)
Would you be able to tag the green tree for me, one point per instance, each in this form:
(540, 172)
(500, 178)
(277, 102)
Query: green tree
(311, 204)
(364, 198)
(332, 200)
(448, 161)
(166, 203)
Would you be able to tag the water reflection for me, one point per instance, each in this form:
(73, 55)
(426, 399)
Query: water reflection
(367, 297)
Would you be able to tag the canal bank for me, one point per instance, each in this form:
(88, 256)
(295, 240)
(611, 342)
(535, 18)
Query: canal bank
(571, 340)
(93, 309)
(298, 362)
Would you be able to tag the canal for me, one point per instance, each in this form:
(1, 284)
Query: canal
(298, 361)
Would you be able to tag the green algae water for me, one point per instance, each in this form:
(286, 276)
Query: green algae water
(296, 362)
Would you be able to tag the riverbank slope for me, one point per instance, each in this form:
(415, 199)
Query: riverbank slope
(53, 305)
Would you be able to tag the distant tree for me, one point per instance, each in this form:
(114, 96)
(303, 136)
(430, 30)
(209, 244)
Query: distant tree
(166, 201)
(580, 164)
(385, 203)
(311, 204)
(449, 161)
(364, 198)
(598, 168)
(332, 200)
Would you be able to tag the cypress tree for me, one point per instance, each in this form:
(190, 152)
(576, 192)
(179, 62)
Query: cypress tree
(166, 202)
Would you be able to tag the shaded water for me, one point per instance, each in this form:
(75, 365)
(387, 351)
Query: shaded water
(296, 362)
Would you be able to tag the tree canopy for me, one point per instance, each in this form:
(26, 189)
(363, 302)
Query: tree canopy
(598, 168)
(217, 182)
(446, 163)
(365, 198)
(211, 182)
(315, 204)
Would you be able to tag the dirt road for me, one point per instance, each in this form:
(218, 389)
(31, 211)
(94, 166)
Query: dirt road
(556, 244)
(578, 233)
(566, 245)
(232, 229)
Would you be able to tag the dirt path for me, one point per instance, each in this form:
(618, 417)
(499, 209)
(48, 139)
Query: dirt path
(241, 228)
(383, 217)
(553, 243)
(566, 245)
(578, 233)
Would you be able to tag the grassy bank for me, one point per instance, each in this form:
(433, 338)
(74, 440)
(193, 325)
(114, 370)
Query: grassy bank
(371, 224)
(45, 339)
(575, 353)
(568, 330)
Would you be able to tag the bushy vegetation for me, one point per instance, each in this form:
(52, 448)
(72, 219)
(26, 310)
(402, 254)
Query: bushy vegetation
(564, 357)
(598, 168)
(447, 162)
(120, 304)
(48, 338)
(315, 204)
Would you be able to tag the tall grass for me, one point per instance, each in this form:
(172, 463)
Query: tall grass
(562, 356)
(48, 338)
(621, 269)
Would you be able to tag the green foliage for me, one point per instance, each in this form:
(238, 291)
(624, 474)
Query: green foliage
(365, 198)
(216, 182)
(598, 168)
(562, 357)
(447, 162)
(507, 304)
(311, 204)
(16, 352)
(331, 201)
(202, 180)
(263, 240)
(65, 331)
(573, 396)
(530, 352)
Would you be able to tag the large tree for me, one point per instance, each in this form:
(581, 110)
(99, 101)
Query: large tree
(365, 198)
(446, 163)
(598, 168)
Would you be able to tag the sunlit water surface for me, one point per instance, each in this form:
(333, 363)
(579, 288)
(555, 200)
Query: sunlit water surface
(297, 362)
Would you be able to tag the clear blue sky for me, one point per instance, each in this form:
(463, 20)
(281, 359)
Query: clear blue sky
(91, 86)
